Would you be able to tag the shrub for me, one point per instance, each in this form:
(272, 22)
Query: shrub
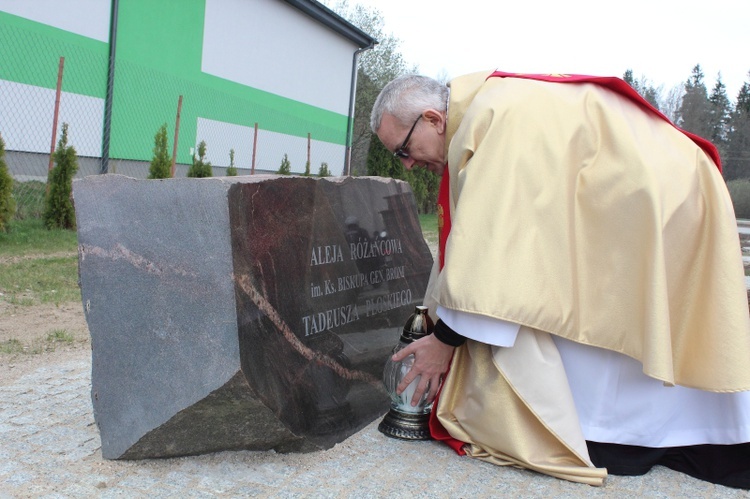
(161, 163)
(58, 205)
(231, 170)
(739, 191)
(307, 169)
(424, 184)
(7, 203)
(286, 166)
(200, 167)
(324, 171)
(30, 199)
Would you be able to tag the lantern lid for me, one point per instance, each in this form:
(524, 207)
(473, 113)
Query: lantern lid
(418, 325)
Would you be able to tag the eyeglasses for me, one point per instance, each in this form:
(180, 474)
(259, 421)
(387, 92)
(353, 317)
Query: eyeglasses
(400, 152)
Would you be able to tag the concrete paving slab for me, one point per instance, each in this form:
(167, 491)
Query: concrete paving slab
(51, 448)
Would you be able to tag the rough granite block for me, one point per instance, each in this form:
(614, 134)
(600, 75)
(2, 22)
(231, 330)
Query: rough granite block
(243, 312)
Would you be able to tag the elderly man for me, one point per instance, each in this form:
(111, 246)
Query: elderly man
(589, 286)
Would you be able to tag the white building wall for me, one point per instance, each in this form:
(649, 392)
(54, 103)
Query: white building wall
(88, 18)
(221, 137)
(271, 46)
(30, 128)
(264, 44)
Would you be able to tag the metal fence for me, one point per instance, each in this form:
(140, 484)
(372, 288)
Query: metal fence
(54, 81)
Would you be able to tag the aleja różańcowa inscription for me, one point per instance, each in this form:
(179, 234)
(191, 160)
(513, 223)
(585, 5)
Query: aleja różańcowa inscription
(379, 275)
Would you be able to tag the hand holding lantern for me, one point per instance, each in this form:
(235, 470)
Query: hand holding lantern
(405, 420)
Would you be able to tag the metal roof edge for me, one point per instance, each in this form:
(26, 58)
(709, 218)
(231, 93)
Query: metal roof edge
(329, 18)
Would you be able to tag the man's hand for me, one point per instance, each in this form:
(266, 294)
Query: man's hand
(431, 360)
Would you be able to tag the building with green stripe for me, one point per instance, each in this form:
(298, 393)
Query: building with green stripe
(264, 78)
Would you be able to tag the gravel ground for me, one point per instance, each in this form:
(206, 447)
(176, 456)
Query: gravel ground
(50, 448)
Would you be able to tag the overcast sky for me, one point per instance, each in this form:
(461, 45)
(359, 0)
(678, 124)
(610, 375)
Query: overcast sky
(659, 39)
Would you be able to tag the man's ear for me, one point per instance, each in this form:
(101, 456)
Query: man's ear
(435, 118)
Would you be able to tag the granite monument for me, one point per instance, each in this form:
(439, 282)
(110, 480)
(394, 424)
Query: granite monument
(243, 312)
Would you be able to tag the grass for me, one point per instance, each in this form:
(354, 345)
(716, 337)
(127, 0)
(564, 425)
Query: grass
(49, 344)
(429, 227)
(60, 336)
(11, 346)
(51, 276)
(40, 280)
(29, 236)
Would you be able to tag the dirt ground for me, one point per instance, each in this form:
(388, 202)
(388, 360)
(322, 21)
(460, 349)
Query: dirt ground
(32, 327)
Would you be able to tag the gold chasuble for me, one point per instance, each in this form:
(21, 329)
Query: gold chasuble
(576, 213)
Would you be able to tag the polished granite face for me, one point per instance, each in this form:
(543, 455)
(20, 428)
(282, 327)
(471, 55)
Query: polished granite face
(244, 312)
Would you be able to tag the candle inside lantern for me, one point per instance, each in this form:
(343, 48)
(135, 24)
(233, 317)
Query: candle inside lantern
(405, 420)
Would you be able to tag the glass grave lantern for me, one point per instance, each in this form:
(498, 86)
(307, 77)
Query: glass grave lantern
(404, 420)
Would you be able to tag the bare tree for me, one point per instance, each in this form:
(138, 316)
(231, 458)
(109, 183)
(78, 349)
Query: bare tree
(670, 102)
(644, 87)
(443, 76)
(376, 68)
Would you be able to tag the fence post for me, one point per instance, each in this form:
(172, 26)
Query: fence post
(176, 136)
(109, 97)
(309, 165)
(60, 68)
(255, 147)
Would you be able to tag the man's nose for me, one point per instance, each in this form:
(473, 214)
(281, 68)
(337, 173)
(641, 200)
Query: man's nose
(407, 162)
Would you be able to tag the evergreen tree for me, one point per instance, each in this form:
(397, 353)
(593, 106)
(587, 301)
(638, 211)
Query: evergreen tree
(737, 159)
(161, 163)
(58, 205)
(200, 167)
(307, 169)
(7, 203)
(643, 87)
(720, 113)
(382, 163)
(695, 109)
(324, 171)
(424, 184)
(286, 167)
(231, 170)
(743, 98)
(628, 77)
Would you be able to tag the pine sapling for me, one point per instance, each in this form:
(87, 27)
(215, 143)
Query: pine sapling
(324, 171)
(161, 163)
(58, 211)
(200, 167)
(231, 170)
(286, 166)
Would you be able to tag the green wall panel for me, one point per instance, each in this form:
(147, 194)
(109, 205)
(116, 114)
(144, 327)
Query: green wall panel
(159, 50)
(31, 53)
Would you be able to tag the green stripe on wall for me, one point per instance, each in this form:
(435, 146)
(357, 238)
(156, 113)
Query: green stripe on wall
(145, 99)
(31, 54)
(173, 52)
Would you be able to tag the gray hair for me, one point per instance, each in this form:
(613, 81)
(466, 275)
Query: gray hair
(407, 97)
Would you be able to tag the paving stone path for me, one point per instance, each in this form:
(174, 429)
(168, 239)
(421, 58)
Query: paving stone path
(49, 447)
